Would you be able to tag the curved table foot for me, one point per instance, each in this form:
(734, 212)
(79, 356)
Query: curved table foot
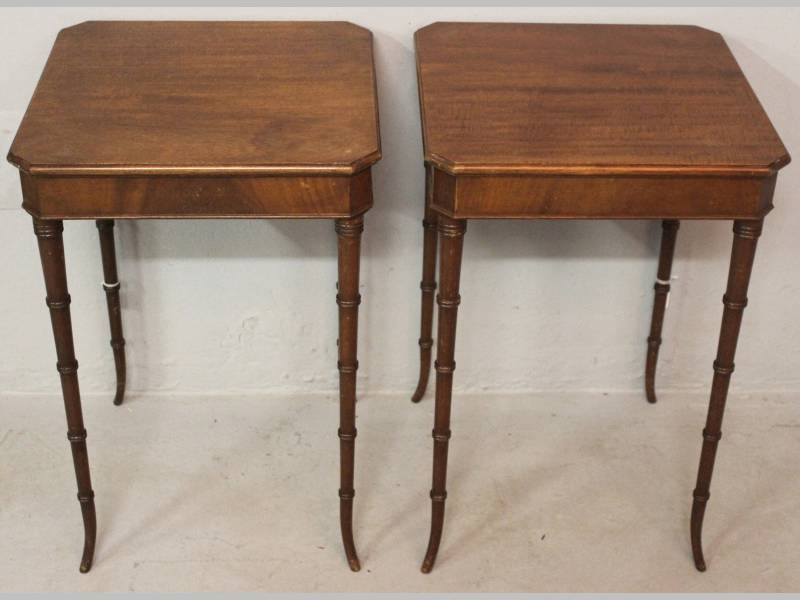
(120, 395)
(698, 512)
(86, 499)
(650, 391)
(346, 514)
(422, 384)
(89, 529)
(437, 522)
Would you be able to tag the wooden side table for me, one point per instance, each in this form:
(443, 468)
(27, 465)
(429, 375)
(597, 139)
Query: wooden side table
(144, 120)
(526, 121)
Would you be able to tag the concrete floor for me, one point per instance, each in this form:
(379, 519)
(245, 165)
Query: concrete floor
(548, 492)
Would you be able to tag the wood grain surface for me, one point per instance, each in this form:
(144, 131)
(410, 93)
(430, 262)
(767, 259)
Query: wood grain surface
(589, 99)
(195, 97)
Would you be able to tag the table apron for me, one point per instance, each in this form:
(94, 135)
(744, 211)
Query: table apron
(602, 196)
(97, 197)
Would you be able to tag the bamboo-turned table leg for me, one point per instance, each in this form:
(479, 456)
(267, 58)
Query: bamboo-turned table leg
(428, 287)
(669, 233)
(451, 232)
(745, 239)
(348, 299)
(51, 251)
(105, 228)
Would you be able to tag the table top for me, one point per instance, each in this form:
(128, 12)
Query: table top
(502, 98)
(205, 98)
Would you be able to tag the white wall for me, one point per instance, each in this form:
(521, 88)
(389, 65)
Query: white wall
(218, 307)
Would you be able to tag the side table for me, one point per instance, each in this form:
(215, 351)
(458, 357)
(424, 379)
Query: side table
(193, 120)
(530, 121)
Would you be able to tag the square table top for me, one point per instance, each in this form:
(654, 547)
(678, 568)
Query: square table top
(203, 98)
(589, 99)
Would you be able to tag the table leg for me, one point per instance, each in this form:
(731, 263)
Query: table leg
(348, 299)
(105, 228)
(451, 232)
(51, 251)
(428, 287)
(746, 235)
(670, 231)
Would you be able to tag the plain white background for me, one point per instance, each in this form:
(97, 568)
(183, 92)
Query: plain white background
(583, 487)
(248, 307)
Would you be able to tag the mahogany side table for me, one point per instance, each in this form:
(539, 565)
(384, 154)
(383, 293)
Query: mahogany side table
(529, 121)
(144, 120)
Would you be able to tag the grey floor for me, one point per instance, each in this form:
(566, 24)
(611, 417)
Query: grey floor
(553, 492)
